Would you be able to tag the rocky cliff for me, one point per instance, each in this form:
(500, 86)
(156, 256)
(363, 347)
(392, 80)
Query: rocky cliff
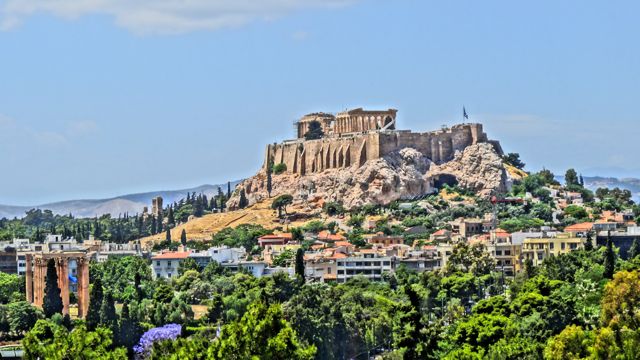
(402, 174)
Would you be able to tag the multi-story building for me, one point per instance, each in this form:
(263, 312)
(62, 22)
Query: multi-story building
(467, 227)
(541, 248)
(166, 264)
(368, 264)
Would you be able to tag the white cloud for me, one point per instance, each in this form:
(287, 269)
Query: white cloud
(162, 16)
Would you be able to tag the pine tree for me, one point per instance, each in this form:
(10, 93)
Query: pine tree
(228, 189)
(183, 238)
(634, 251)
(52, 303)
(108, 316)
(609, 259)
(95, 303)
(300, 263)
(167, 236)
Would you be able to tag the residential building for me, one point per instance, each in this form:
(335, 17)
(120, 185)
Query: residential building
(539, 249)
(166, 264)
(384, 240)
(620, 239)
(279, 239)
(368, 264)
(467, 227)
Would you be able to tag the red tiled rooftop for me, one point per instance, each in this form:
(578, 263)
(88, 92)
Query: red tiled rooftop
(585, 226)
(287, 236)
(172, 255)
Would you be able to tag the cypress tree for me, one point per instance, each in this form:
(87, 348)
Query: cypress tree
(95, 303)
(159, 223)
(108, 316)
(137, 284)
(300, 263)
(243, 202)
(588, 245)
(167, 236)
(170, 217)
(153, 225)
(183, 237)
(228, 189)
(269, 174)
(634, 251)
(52, 301)
(130, 330)
(609, 259)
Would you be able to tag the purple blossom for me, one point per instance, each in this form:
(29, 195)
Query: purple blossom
(166, 332)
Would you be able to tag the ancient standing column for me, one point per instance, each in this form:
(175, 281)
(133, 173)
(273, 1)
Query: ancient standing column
(64, 287)
(83, 287)
(29, 279)
(38, 283)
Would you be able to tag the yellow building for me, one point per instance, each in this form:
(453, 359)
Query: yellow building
(539, 249)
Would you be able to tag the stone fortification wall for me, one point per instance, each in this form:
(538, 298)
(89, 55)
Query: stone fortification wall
(341, 151)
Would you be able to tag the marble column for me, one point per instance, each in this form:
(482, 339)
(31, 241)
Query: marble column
(29, 279)
(83, 287)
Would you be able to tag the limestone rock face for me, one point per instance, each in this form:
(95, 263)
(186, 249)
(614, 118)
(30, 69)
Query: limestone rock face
(402, 174)
(478, 167)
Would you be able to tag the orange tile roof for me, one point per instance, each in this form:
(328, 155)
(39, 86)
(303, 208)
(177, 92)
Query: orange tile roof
(440, 232)
(343, 243)
(325, 235)
(288, 236)
(172, 255)
(337, 255)
(585, 226)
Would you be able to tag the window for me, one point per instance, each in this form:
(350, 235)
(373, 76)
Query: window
(168, 275)
(507, 262)
(562, 246)
(169, 263)
(340, 263)
(387, 263)
(340, 272)
(498, 252)
(507, 252)
(551, 246)
(158, 263)
(328, 270)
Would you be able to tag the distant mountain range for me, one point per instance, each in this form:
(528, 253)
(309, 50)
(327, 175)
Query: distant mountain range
(132, 203)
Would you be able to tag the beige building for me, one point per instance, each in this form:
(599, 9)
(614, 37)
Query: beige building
(539, 249)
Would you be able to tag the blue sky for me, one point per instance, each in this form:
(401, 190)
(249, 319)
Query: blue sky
(100, 98)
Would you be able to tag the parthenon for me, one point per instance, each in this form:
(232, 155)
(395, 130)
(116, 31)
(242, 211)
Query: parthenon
(356, 136)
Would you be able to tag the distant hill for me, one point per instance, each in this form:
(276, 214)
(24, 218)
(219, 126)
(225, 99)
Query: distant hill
(132, 203)
(594, 182)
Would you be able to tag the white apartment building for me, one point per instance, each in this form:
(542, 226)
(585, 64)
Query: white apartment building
(369, 264)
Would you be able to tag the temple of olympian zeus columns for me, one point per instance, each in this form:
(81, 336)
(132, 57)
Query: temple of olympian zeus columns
(37, 272)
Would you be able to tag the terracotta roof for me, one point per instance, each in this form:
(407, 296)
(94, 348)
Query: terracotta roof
(337, 255)
(585, 226)
(343, 243)
(440, 232)
(277, 236)
(325, 235)
(172, 255)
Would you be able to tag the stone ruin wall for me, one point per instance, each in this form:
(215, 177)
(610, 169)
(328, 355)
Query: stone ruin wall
(313, 156)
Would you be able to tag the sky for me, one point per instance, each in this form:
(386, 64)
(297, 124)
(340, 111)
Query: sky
(106, 97)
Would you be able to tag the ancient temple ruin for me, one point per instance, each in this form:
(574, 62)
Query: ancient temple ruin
(356, 136)
(76, 281)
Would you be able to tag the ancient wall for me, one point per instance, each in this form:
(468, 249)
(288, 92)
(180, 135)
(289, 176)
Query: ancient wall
(341, 151)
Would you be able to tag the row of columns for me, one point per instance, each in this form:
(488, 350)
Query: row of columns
(36, 281)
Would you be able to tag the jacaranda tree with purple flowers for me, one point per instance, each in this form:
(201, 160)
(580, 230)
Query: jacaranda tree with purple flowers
(166, 332)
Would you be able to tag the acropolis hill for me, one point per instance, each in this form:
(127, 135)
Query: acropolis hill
(362, 158)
